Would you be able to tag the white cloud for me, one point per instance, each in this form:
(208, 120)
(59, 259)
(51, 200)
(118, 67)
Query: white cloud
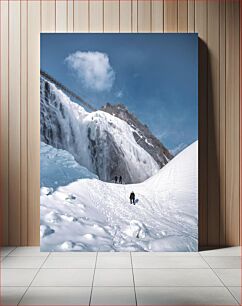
(93, 69)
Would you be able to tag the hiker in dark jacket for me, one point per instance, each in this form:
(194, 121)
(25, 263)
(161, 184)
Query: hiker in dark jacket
(132, 198)
(116, 179)
(120, 180)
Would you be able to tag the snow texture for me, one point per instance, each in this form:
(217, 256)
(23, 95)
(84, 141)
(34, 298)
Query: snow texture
(59, 168)
(92, 215)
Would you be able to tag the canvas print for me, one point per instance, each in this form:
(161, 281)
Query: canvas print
(119, 142)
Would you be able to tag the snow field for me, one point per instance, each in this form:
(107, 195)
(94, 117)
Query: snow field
(92, 215)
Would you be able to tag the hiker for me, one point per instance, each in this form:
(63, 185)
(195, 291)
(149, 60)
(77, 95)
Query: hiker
(120, 180)
(132, 198)
(116, 179)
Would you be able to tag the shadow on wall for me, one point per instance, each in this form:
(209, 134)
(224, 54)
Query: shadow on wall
(210, 226)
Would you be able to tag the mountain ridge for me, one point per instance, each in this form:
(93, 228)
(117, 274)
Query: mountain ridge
(141, 132)
(99, 141)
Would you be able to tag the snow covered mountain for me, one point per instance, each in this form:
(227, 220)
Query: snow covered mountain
(141, 133)
(102, 143)
(92, 215)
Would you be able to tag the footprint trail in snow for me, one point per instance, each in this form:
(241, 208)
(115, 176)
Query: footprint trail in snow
(92, 215)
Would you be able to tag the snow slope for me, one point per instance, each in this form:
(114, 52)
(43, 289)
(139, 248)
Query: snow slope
(59, 168)
(143, 136)
(91, 215)
(100, 142)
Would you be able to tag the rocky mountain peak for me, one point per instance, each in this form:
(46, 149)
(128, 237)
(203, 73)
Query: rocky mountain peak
(141, 132)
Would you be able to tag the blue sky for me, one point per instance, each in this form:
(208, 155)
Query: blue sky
(154, 75)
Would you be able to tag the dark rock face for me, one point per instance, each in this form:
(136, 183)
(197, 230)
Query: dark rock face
(141, 133)
(107, 158)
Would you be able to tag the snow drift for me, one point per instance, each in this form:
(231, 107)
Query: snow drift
(59, 168)
(92, 215)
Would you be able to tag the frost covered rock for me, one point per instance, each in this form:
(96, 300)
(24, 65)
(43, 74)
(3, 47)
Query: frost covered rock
(67, 246)
(102, 143)
(141, 133)
(45, 230)
(46, 190)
